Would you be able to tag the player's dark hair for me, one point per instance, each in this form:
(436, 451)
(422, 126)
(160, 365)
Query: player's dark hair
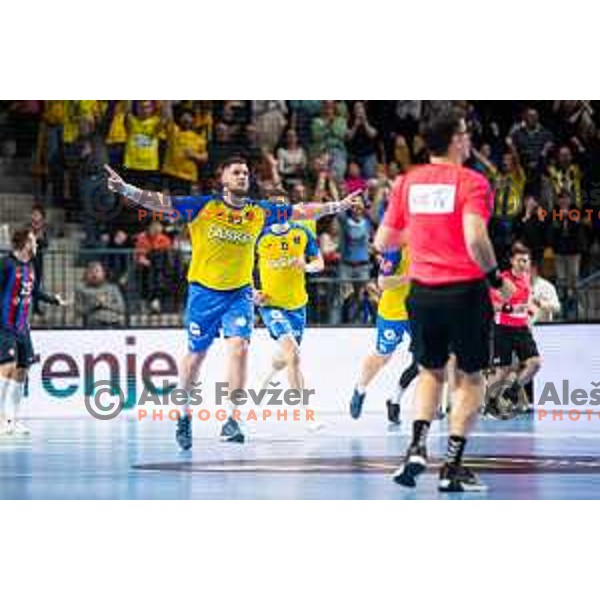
(519, 248)
(440, 128)
(236, 159)
(20, 237)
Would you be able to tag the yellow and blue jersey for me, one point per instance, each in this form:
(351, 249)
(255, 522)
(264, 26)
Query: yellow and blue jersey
(223, 238)
(392, 305)
(282, 282)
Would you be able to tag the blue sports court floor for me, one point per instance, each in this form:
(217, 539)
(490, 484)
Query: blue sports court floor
(80, 458)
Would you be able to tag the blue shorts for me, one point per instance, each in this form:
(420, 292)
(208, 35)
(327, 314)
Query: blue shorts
(390, 335)
(208, 311)
(280, 322)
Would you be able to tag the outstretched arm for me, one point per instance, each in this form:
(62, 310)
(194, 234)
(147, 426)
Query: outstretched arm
(153, 201)
(43, 296)
(316, 210)
(488, 165)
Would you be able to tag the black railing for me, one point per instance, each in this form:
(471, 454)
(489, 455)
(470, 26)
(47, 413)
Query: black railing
(154, 294)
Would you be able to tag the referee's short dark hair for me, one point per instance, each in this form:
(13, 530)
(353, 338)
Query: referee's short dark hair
(519, 248)
(440, 128)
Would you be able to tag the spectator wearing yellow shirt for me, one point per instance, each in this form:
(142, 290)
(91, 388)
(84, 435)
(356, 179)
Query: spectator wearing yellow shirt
(186, 149)
(142, 158)
(566, 176)
(203, 119)
(116, 137)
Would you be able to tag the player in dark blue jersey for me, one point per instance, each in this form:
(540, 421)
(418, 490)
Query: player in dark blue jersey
(18, 289)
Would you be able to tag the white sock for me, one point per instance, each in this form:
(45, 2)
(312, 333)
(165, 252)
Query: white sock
(3, 397)
(14, 394)
(18, 393)
(361, 389)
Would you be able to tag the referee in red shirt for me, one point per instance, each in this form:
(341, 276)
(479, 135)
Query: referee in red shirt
(441, 211)
(512, 331)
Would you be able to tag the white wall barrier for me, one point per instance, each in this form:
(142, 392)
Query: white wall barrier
(72, 361)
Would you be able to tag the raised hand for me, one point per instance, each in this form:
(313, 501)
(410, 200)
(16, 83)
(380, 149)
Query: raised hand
(352, 200)
(115, 182)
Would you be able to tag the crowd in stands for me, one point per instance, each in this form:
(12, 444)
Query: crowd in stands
(541, 159)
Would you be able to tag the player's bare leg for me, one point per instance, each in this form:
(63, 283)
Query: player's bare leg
(237, 362)
(530, 370)
(371, 366)
(277, 364)
(237, 369)
(467, 401)
(449, 386)
(289, 354)
(524, 375)
(501, 386)
(290, 351)
(189, 369)
(428, 395)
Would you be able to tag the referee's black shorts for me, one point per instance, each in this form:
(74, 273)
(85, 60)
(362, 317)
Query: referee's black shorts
(454, 318)
(509, 341)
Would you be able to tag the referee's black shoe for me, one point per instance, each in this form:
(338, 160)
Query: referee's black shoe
(414, 465)
(458, 478)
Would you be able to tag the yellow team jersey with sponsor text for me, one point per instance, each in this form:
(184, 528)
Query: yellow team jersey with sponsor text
(282, 281)
(223, 238)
